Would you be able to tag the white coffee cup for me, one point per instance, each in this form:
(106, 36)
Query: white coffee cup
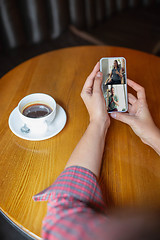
(37, 125)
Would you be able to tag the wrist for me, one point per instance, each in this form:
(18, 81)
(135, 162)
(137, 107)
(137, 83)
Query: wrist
(153, 139)
(101, 125)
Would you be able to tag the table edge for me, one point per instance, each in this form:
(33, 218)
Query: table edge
(19, 226)
(74, 47)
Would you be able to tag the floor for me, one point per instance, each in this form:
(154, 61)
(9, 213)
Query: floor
(137, 29)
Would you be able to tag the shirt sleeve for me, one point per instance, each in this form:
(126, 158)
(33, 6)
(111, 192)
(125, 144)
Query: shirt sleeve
(74, 205)
(75, 181)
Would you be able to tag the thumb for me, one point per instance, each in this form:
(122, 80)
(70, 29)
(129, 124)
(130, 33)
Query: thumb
(97, 82)
(123, 117)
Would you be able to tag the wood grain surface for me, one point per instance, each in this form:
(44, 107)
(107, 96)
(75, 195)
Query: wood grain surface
(131, 170)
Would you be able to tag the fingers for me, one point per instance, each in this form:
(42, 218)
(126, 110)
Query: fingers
(97, 86)
(123, 117)
(90, 79)
(139, 89)
(131, 98)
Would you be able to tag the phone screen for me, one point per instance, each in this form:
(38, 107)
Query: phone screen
(114, 85)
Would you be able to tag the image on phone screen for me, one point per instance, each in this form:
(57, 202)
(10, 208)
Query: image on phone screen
(114, 85)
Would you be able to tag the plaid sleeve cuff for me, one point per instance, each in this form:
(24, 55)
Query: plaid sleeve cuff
(75, 181)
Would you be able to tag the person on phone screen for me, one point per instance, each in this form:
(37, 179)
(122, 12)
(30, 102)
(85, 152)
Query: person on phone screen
(115, 76)
(113, 101)
(76, 209)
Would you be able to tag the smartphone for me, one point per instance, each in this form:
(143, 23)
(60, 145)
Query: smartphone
(114, 85)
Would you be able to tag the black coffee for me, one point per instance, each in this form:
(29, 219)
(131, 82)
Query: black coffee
(37, 111)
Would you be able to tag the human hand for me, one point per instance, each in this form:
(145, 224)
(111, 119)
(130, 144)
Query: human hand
(117, 72)
(113, 100)
(93, 97)
(138, 116)
(107, 81)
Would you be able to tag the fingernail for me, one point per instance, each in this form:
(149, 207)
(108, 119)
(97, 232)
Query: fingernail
(113, 115)
(99, 74)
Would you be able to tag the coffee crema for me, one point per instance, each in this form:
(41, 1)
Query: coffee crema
(37, 110)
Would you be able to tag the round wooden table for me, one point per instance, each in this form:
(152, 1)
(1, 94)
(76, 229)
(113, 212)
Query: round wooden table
(131, 170)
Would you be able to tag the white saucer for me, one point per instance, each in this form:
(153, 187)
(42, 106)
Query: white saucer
(15, 124)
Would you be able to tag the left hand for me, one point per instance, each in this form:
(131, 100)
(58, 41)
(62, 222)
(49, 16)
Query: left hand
(93, 97)
(117, 72)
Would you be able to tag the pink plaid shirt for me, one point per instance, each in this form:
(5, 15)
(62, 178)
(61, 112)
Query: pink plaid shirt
(73, 201)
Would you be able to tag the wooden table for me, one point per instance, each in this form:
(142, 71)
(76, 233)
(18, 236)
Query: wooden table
(131, 170)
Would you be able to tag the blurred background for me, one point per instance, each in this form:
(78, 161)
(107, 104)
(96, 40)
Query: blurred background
(32, 27)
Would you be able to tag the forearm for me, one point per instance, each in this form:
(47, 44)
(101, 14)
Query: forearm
(88, 152)
(116, 103)
(120, 74)
(154, 140)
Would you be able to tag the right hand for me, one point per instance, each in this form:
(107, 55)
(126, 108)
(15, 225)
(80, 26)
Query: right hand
(138, 116)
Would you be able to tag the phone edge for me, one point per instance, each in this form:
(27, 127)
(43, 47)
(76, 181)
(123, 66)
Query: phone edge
(126, 80)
